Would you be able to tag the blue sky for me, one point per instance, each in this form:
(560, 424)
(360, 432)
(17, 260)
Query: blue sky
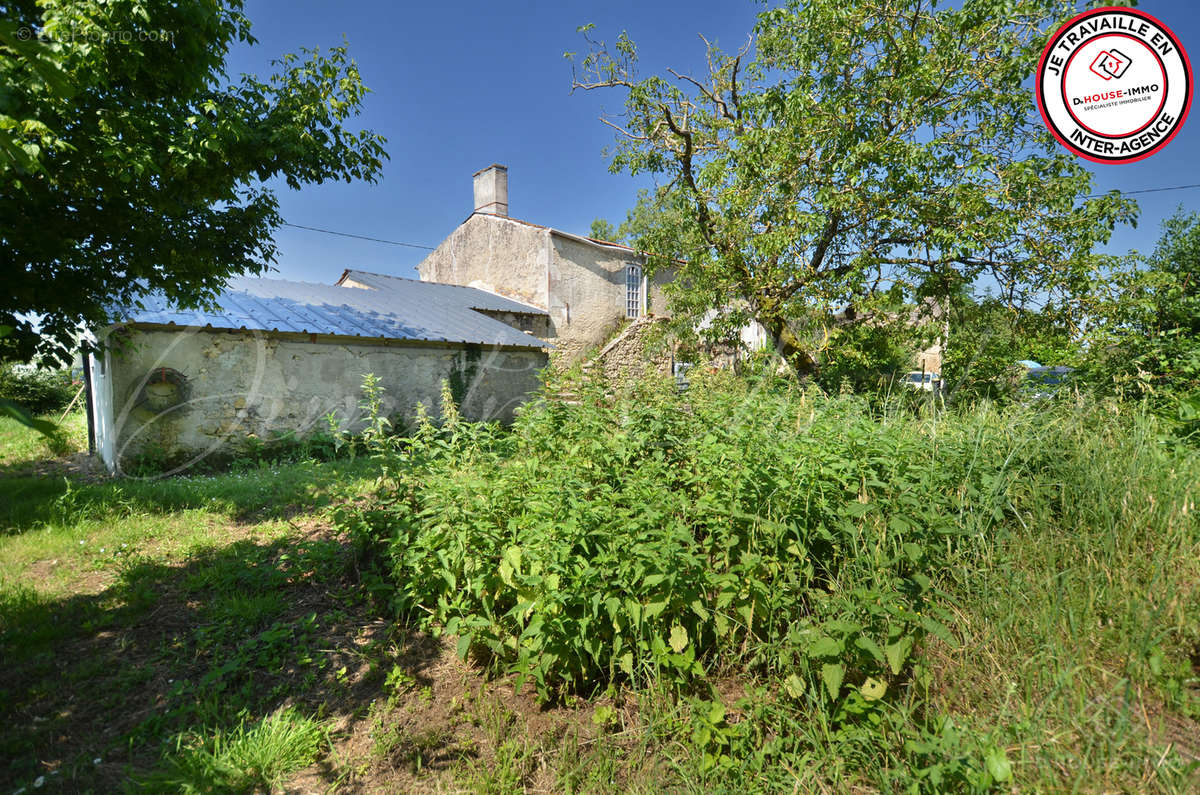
(457, 86)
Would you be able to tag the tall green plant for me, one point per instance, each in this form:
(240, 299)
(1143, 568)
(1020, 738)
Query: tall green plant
(1145, 338)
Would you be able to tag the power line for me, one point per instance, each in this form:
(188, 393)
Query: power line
(1146, 190)
(358, 237)
(431, 248)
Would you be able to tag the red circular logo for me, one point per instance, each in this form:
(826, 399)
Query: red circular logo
(1114, 85)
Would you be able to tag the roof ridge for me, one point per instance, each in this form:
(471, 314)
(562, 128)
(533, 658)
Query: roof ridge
(389, 276)
(532, 308)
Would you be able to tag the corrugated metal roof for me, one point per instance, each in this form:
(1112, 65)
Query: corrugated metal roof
(467, 296)
(419, 311)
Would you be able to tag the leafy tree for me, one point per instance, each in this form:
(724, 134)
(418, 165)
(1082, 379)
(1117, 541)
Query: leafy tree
(602, 229)
(989, 336)
(130, 162)
(869, 356)
(856, 152)
(1145, 335)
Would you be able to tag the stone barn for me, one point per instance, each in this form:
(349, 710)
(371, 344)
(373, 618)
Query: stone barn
(277, 357)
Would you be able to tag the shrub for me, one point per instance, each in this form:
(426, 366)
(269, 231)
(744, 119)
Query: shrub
(742, 524)
(38, 390)
(807, 549)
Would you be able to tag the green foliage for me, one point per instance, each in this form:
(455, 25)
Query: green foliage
(603, 230)
(832, 553)
(245, 759)
(11, 408)
(988, 337)
(870, 356)
(22, 447)
(852, 150)
(653, 537)
(19, 413)
(39, 390)
(130, 161)
(1070, 579)
(1145, 339)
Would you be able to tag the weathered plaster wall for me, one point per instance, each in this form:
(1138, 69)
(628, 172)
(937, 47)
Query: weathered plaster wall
(588, 295)
(930, 359)
(495, 254)
(536, 325)
(102, 402)
(253, 383)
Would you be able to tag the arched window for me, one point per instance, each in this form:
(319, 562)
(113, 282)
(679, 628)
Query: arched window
(633, 291)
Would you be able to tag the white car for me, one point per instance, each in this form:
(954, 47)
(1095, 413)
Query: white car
(929, 382)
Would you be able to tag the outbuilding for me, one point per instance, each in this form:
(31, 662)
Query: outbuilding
(276, 357)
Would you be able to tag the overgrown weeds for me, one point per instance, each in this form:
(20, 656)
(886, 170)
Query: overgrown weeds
(835, 557)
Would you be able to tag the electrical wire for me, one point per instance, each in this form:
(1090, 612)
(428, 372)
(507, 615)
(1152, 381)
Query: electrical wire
(1146, 190)
(358, 237)
(431, 248)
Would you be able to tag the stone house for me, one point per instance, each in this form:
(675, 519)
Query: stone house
(495, 301)
(588, 288)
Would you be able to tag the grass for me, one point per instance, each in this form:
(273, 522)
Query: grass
(223, 633)
(21, 448)
(182, 632)
(1081, 621)
(66, 529)
(834, 594)
(244, 759)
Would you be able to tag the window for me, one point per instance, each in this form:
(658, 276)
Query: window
(633, 291)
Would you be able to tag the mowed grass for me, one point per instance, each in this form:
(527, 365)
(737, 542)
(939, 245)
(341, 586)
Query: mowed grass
(65, 526)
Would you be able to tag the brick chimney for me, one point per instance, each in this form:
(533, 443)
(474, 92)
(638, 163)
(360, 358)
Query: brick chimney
(491, 190)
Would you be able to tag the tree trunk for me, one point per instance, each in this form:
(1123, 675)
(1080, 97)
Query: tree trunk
(789, 346)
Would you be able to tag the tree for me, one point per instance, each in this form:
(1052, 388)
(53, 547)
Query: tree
(855, 151)
(602, 229)
(990, 336)
(131, 163)
(1144, 339)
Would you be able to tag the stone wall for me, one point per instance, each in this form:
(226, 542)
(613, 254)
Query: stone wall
(533, 324)
(581, 283)
(234, 384)
(636, 352)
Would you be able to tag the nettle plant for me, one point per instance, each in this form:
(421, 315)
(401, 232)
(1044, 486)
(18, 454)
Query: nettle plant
(655, 536)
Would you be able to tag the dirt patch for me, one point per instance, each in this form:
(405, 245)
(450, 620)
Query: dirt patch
(99, 683)
(80, 467)
(438, 724)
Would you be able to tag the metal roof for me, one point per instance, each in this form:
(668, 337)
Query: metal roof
(471, 297)
(416, 311)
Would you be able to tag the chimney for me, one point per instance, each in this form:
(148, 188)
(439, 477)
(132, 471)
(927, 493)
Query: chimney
(491, 190)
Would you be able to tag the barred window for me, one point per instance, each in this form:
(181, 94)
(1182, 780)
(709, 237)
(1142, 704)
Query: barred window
(633, 291)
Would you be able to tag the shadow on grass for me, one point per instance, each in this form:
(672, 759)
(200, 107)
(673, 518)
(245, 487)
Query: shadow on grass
(276, 491)
(227, 635)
